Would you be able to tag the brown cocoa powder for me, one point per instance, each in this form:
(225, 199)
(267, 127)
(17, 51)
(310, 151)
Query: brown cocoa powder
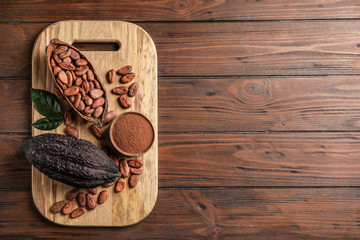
(132, 133)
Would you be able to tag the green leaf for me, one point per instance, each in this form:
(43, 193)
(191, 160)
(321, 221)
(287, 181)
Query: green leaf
(48, 123)
(45, 103)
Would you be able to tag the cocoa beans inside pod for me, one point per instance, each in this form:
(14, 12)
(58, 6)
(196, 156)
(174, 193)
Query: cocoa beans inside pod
(70, 70)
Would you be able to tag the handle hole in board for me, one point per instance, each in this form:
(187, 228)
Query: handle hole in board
(97, 46)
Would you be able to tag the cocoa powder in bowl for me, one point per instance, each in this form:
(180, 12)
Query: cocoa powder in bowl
(132, 134)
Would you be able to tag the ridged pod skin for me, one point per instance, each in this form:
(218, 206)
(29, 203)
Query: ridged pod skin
(76, 162)
(54, 43)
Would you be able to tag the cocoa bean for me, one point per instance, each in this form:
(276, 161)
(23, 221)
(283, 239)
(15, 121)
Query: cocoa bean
(67, 66)
(98, 111)
(96, 93)
(77, 100)
(72, 99)
(71, 91)
(58, 94)
(81, 70)
(78, 81)
(74, 55)
(67, 118)
(82, 93)
(135, 163)
(85, 85)
(88, 111)
(96, 84)
(57, 207)
(69, 78)
(84, 77)
(73, 75)
(67, 60)
(103, 196)
(110, 115)
(124, 70)
(72, 194)
(56, 70)
(106, 185)
(92, 191)
(69, 207)
(133, 181)
(127, 77)
(61, 84)
(81, 62)
(111, 76)
(65, 54)
(124, 168)
(90, 75)
(88, 100)
(81, 106)
(52, 62)
(133, 89)
(137, 171)
(120, 90)
(81, 199)
(120, 185)
(96, 131)
(90, 201)
(98, 103)
(71, 131)
(57, 59)
(62, 77)
(60, 49)
(91, 85)
(78, 212)
(124, 102)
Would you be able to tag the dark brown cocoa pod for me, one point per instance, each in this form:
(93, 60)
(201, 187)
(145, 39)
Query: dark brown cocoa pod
(127, 77)
(57, 207)
(81, 199)
(124, 168)
(120, 90)
(111, 76)
(137, 171)
(106, 185)
(120, 185)
(124, 102)
(103, 196)
(133, 89)
(135, 163)
(69, 207)
(124, 70)
(72, 194)
(96, 131)
(109, 117)
(90, 201)
(133, 180)
(77, 65)
(78, 212)
(71, 131)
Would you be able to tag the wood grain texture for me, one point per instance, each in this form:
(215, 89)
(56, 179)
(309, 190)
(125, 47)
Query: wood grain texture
(232, 160)
(137, 49)
(170, 10)
(325, 103)
(223, 48)
(209, 214)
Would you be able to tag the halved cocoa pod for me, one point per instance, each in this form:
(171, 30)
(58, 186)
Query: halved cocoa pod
(80, 65)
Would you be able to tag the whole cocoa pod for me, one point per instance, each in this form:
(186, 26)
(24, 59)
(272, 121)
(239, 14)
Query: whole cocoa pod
(67, 67)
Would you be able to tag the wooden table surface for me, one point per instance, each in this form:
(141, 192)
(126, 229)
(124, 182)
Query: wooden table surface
(259, 117)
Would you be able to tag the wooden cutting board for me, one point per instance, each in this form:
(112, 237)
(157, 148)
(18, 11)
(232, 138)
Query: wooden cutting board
(136, 49)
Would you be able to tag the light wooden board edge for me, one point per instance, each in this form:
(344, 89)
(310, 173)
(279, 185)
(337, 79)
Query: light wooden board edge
(123, 207)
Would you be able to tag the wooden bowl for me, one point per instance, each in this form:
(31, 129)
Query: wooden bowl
(122, 151)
